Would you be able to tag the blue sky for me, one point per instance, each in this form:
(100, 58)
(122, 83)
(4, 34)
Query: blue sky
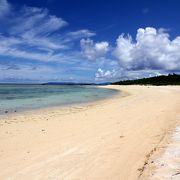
(88, 40)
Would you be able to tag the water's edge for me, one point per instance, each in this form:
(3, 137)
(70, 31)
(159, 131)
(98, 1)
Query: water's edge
(98, 96)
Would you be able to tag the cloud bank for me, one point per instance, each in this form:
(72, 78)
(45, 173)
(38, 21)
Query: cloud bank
(153, 51)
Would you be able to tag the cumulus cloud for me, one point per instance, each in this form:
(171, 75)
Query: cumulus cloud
(152, 49)
(108, 75)
(151, 53)
(93, 50)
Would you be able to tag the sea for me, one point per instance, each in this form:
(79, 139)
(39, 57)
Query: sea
(15, 97)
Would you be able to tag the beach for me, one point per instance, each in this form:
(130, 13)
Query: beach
(115, 138)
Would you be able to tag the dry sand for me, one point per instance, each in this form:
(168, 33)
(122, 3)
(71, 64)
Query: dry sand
(167, 166)
(113, 139)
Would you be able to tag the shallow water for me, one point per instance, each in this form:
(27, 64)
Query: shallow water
(23, 97)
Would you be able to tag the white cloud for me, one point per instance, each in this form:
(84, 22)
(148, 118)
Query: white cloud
(4, 8)
(38, 21)
(93, 50)
(34, 33)
(11, 71)
(35, 27)
(106, 75)
(80, 34)
(46, 57)
(30, 73)
(122, 74)
(152, 53)
(153, 49)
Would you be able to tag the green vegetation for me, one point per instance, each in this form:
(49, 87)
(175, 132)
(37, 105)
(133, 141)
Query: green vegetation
(171, 79)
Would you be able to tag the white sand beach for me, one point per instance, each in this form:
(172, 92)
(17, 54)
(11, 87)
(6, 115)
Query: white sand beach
(167, 166)
(120, 138)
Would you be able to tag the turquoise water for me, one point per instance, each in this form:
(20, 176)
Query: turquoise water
(23, 97)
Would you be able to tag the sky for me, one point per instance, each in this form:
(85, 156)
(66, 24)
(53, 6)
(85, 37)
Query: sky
(88, 40)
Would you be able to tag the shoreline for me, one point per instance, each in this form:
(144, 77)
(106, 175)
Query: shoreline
(64, 107)
(108, 139)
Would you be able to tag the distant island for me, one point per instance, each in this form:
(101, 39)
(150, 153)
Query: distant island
(171, 79)
(74, 83)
